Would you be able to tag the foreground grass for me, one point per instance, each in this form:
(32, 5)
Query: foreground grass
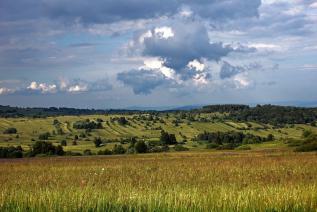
(208, 181)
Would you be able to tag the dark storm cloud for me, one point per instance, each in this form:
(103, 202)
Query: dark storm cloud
(142, 81)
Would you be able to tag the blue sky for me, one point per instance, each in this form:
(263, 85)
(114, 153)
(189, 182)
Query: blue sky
(123, 53)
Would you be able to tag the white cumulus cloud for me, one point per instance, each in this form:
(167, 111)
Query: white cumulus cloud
(42, 87)
(241, 81)
(164, 32)
(78, 88)
(195, 64)
(4, 91)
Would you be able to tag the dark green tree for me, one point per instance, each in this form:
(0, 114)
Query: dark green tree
(44, 136)
(270, 137)
(118, 149)
(97, 142)
(63, 143)
(140, 147)
(10, 130)
(167, 139)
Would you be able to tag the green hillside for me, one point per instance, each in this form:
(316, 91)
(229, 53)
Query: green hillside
(144, 126)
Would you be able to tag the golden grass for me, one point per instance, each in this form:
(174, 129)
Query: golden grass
(205, 181)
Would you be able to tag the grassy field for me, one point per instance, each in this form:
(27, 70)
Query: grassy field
(269, 177)
(29, 130)
(204, 181)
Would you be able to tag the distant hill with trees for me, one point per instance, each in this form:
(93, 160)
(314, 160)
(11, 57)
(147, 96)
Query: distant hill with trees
(276, 115)
(268, 114)
(38, 112)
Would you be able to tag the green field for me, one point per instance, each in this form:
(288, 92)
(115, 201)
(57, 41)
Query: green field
(268, 176)
(29, 130)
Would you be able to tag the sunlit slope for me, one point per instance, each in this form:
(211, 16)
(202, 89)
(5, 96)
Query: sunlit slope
(29, 129)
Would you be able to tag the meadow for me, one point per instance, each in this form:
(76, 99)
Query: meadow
(266, 176)
(141, 127)
(205, 181)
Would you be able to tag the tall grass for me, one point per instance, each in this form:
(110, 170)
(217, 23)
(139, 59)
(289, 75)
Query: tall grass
(164, 182)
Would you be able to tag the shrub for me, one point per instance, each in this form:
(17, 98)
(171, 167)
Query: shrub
(87, 152)
(56, 122)
(167, 139)
(293, 142)
(87, 125)
(308, 144)
(233, 138)
(97, 142)
(82, 135)
(140, 147)
(212, 146)
(63, 143)
(132, 142)
(118, 149)
(270, 137)
(122, 121)
(11, 152)
(131, 150)
(47, 148)
(252, 139)
(99, 120)
(307, 133)
(59, 150)
(105, 152)
(307, 147)
(180, 148)
(44, 136)
(10, 130)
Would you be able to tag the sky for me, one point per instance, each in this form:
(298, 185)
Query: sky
(155, 53)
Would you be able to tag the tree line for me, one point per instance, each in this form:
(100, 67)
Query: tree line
(231, 139)
(268, 114)
(276, 115)
(44, 147)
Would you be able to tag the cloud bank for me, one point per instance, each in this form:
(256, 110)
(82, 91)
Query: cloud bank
(153, 50)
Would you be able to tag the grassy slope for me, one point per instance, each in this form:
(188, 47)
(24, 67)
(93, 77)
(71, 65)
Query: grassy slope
(30, 129)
